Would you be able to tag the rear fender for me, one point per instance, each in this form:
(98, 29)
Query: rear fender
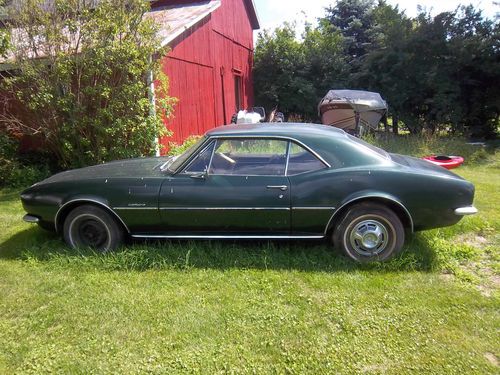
(372, 196)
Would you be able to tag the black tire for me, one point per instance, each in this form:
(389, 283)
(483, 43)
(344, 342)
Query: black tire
(91, 226)
(369, 232)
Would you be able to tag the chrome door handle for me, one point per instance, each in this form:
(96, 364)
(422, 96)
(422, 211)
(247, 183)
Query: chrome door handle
(281, 187)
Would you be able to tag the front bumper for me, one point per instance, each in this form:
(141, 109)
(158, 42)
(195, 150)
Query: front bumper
(31, 219)
(462, 211)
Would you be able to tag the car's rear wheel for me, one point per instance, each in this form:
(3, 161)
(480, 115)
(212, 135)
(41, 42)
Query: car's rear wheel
(93, 227)
(369, 232)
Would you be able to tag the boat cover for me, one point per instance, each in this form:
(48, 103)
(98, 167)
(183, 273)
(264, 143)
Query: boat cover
(339, 108)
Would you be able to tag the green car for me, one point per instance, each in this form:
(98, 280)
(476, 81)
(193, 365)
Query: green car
(263, 181)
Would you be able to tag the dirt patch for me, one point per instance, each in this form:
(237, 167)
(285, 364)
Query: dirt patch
(492, 358)
(473, 239)
(447, 276)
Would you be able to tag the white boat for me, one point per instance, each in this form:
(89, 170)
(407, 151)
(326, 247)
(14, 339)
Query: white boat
(352, 110)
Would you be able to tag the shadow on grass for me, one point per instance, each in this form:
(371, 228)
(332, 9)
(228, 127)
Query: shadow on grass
(36, 245)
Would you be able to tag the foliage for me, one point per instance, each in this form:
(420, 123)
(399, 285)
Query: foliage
(4, 34)
(278, 71)
(244, 307)
(81, 79)
(437, 73)
(354, 20)
(292, 75)
(16, 171)
(175, 149)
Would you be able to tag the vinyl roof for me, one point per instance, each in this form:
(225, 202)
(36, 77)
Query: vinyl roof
(277, 129)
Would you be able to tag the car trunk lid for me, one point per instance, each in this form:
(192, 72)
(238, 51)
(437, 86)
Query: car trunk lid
(423, 165)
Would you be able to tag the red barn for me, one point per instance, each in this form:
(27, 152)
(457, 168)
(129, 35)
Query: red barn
(210, 62)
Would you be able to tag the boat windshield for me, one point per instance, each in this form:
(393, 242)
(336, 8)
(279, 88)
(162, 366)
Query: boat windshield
(179, 160)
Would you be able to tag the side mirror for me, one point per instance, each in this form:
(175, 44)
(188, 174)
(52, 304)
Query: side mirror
(199, 176)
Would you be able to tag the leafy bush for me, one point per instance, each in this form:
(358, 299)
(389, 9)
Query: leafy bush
(175, 149)
(16, 171)
(87, 102)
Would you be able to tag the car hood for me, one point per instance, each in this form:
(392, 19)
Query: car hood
(422, 165)
(136, 168)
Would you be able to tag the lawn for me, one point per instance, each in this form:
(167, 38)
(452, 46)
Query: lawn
(255, 307)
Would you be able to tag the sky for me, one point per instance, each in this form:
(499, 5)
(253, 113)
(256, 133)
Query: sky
(273, 13)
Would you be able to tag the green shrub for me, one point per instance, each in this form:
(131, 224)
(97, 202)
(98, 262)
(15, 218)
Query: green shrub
(19, 171)
(89, 104)
(175, 149)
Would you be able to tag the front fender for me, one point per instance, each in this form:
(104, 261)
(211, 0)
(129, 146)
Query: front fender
(73, 201)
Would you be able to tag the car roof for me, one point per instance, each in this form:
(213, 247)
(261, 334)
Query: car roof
(284, 129)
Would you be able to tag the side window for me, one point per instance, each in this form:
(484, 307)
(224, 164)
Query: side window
(201, 161)
(300, 160)
(260, 157)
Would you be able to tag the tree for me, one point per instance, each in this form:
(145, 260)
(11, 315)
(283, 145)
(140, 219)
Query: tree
(80, 79)
(354, 20)
(475, 69)
(4, 33)
(436, 72)
(384, 68)
(294, 74)
(326, 64)
(279, 72)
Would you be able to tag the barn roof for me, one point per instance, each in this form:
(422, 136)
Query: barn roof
(254, 17)
(175, 19)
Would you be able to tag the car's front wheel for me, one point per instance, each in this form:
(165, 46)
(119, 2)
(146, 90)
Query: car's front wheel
(93, 227)
(369, 232)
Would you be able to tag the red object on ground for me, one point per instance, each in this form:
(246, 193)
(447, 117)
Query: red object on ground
(449, 162)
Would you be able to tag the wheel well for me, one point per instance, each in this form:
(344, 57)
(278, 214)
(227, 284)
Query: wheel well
(397, 208)
(66, 209)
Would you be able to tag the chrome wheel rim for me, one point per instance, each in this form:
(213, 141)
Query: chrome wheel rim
(369, 237)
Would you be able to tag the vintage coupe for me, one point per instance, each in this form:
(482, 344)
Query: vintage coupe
(268, 181)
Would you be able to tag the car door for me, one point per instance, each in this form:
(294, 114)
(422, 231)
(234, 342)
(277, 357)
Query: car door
(233, 187)
(311, 186)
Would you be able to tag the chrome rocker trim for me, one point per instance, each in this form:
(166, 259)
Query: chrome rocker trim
(462, 211)
(226, 208)
(222, 237)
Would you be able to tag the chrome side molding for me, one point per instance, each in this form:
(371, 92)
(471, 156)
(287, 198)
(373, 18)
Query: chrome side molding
(222, 237)
(470, 210)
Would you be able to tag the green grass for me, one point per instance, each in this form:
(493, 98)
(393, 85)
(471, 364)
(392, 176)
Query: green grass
(254, 307)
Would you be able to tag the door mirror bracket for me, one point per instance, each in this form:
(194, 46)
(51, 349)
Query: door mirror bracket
(199, 176)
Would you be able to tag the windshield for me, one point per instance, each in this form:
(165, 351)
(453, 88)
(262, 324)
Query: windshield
(179, 160)
(370, 146)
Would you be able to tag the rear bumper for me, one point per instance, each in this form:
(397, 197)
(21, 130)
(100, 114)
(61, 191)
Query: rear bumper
(31, 219)
(461, 211)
